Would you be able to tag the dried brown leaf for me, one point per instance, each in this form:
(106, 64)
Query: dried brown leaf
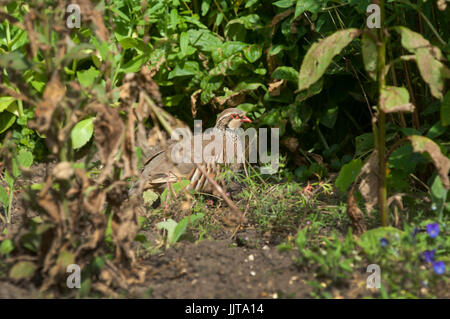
(442, 5)
(32, 35)
(278, 18)
(53, 94)
(369, 181)
(125, 227)
(275, 88)
(92, 14)
(63, 171)
(129, 158)
(355, 215)
(423, 144)
(194, 97)
(291, 143)
(108, 129)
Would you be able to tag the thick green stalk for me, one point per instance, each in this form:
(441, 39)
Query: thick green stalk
(381, 67)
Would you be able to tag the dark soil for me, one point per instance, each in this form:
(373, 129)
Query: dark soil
(213, 269)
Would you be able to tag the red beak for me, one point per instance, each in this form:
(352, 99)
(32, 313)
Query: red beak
(245, 119)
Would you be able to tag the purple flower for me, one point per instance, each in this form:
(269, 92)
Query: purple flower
(428, 255)
(433, 230)
(308, 222)
(384, 242)
(439, 267)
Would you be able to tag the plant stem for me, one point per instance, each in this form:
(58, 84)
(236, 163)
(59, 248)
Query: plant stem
(381, 65)
(8, 213)
(322, 138)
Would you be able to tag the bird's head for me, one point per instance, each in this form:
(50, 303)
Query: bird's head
(231, 118)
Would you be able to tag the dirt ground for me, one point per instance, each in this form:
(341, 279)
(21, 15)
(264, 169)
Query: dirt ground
(214, 268)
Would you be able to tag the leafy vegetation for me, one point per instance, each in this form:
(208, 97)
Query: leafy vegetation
(363, 115)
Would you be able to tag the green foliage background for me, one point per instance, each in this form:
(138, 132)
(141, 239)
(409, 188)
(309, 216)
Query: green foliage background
(223, 53)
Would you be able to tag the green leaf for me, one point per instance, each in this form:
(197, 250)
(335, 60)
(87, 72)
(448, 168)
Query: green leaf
(320, 55)
(169, 225)
(285, 73)
(38, 86)
(134, 65)
(120, 14)
(184, 69)
(235, 29)
(22, 270)
(85, 287)
(15, 169)
(79, 52)
(294, 117)
(307, 5)
(260, 71)
(65, 259)
(403, 158)
(9, 180)
(175, 230)
(370, 53)
(133, 43)
(211, 83)
(438, 196)
(87, 77)
(5, 101)
(277, 48)
(178, 186)
(6, 246)
(219, 18)
(284, 3)
(173, 100)
(330, 117)
(6, 121)
(249, 3)
(14, 109)
(395, 99)
(246, 107)
(348, 174)
(364, 143)
(181, 227)
(82, 132)
(204, 40)
(253, 53)
(436, 130)
(25, 158)
(4, 197)
(205, 6)
(228, 49)
(149, 197)
(184, 42)
(15, 60)
(445, 110)
(249, 86)
(195, 21)
(301, 240)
